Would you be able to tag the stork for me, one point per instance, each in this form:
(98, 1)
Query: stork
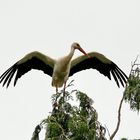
(64, 67)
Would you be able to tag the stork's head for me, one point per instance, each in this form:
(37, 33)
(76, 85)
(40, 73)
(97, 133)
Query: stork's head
(76, 45)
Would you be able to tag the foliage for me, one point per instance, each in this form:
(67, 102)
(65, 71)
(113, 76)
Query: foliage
(36, 132)
(68, 122)
(132, 91)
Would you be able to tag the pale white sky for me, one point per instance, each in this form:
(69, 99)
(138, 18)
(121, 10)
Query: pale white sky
(109, 27)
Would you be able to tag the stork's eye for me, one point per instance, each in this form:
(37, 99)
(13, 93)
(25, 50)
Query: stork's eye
(77, 45)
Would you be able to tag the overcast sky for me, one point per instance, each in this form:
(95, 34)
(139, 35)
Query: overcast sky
(49, 26)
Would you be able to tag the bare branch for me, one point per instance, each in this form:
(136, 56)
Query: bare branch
(119, 119)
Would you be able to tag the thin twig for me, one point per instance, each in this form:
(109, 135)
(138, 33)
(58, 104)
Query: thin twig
(107, 131)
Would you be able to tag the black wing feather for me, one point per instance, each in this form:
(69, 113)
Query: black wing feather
(33, 63)
(102, 64)
(119, 76)
(4, 74)
(22, 68)
(91, 63)
(6, 78)
(10, 78)
(115, 77)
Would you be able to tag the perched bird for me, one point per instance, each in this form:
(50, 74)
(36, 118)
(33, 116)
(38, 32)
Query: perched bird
(64, 67)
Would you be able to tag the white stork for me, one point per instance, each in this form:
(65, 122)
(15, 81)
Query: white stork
(64, 67)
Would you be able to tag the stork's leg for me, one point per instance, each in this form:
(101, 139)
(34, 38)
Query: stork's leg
(55, 102)
(64, 86)
(64, 92)
(56, 89)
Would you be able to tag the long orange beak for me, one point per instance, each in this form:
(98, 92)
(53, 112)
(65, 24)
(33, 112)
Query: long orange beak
(80, 49)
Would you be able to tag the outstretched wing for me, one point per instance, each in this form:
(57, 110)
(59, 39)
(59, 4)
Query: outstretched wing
(102, 64)
(33, 60)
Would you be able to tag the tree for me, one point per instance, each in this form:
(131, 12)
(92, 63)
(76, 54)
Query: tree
(131, 94)
(132, 91)
(68, 122)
